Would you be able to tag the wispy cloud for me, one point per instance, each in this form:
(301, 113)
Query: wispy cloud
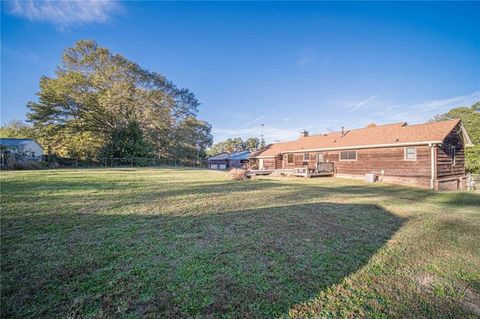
(261, 117)
(423, 111)
(23, 55)
(363, 103)
(354, 104)
(63, 14)
(379, 111)
(270, 133)
(305, 57)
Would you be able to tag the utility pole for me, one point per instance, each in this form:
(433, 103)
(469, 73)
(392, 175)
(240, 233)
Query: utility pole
(262, 141)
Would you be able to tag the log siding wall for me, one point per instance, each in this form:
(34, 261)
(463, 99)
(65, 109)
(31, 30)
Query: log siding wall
(445, 167)
(390, 160)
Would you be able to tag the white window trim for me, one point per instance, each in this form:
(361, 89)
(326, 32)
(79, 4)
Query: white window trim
(347, 160)
(405, 154)
(308, 158)
(454, 157)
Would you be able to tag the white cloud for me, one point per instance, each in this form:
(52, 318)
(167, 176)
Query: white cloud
(65, 13)
(271, 133)
(421, 112)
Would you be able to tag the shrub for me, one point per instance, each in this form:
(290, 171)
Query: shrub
(23, 164)
(238, 174)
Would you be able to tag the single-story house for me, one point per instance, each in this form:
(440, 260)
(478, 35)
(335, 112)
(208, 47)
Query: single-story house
(27, 148)
(429, 155)
(226, 160)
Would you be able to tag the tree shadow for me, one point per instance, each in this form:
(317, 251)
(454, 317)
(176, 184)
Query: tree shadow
(247, 263)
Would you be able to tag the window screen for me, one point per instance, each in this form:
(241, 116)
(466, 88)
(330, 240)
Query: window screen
(410, 153)
(348, 155)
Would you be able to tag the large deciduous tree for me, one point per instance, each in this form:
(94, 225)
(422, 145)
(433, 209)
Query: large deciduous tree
(96, 95)
(16, 129)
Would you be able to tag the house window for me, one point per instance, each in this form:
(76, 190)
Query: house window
(306, 157)
(453, 156)
(410, 153)
(290, 158)
(348, 156)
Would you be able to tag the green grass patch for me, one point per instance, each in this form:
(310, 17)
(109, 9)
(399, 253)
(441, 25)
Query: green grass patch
(131, 243)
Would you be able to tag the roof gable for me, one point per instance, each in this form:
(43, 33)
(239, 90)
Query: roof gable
(18, 142)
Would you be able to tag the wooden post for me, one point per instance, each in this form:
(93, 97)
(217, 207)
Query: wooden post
(433, 157)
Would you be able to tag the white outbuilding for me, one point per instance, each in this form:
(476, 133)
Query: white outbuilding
(29, 148)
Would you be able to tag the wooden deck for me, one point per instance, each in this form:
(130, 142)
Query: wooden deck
(321, 169)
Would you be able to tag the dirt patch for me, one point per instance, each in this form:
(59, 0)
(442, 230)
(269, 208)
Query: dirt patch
(426, 280)
(472, 301)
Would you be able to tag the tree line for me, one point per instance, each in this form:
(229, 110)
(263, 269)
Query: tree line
(100, 104)
(237, 144)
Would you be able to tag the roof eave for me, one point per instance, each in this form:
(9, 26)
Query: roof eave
(364, 146)
(466, 138)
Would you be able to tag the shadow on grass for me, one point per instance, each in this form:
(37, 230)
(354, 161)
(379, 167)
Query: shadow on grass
(251, 263)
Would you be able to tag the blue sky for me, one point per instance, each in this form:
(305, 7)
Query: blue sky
(291, 66)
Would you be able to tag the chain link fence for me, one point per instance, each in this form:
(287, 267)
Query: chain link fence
(55, 162)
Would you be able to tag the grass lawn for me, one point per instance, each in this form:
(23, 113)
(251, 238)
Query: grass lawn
(131, 243)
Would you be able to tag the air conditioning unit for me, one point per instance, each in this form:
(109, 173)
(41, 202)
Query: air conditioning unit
(371, 178)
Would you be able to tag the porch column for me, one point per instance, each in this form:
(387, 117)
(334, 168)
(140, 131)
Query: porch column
(433, 163)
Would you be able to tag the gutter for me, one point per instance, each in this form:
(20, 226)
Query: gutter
(433, 164)
(263, 156)
(363, 147)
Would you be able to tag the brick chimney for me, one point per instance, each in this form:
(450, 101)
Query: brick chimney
(304, 133)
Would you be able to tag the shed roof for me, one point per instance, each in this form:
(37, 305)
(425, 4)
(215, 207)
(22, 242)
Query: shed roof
(244, 155)
(375, 136)
(17, 142)
(220, 156)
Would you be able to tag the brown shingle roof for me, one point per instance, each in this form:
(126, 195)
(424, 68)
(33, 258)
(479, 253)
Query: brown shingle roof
(396, 133)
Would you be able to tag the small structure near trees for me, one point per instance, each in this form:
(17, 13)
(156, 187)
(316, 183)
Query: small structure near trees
(20, 152)
(226, 160)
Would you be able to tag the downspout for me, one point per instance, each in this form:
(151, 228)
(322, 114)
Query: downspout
(433, 164)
